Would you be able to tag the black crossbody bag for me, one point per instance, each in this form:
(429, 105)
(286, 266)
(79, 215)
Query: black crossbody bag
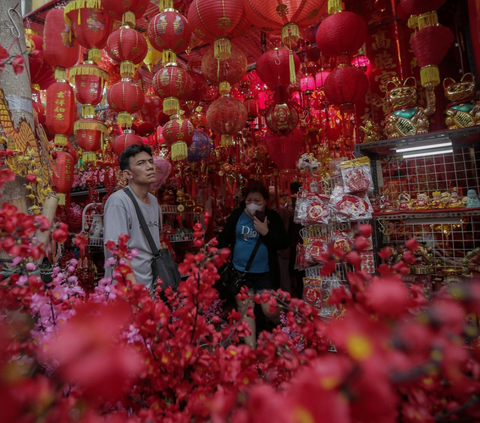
(163, 265)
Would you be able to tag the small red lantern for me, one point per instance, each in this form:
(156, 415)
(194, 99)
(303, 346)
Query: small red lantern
(230, 70)
(63, 175)
(284, 149)
(227, 116)
(273, 67)
(252, 108)
(41, 73)
(178, 132)
(125, 140)
(320, 77)
(347, 85)
(126, 10)
(172, 84)
(125, 98)
(282, 118)
(60, 114)
(307, 84)
(90, 134)
(169, 32)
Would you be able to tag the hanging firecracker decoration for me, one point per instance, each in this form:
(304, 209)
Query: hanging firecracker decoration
(126, 11)
(201, 146)
(172, 84)
(178, 133)
(125, 140)
(91, 25)
(60, 115)
(125, 98)
(169, 32)
(230, 70)
(90, 133)
(346, 85)
(227, 116)
(218, 22)
(284, 149)
(273, 67)
(63, 174)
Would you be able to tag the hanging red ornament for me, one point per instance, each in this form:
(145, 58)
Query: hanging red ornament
(273, 67)
(60, 114)
(90, 133)
(143, 128)
(125, 98)
(346, 85)
(199, 118)
(126, 11)
(252, 108)
(230, 70)
(63, 176)
(151, 107)
(40, 111)
(282, 118)
(284, 149)
(178, 133)
(41, 72)
(125, 140)
(172, 84)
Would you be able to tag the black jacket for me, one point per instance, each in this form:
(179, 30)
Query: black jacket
(276, 239)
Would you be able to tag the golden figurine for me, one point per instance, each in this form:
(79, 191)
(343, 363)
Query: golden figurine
(404, 202)
(455, 200)
(372, 131)
(463, 110)
(436, 201)
(422, 201)
(406, 117)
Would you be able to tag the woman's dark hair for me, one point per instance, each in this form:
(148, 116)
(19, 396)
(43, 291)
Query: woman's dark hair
(132, 151)
(255, 186)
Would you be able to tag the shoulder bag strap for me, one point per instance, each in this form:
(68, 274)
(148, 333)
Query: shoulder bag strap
(252, 256)
(142, 221)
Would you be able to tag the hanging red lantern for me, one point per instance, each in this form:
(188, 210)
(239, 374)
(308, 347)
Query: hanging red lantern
(178, 133)
(218, 22)
(227, 116)
(341, 33)
(143, 128)
(282, 118)
(90, 134)
(125, 98)
(172, 84)
(151, 107)
(127, 47)
(58, 50)
(346, 85)
(126, 11)
(273, 67)
(199, 86)
(89, 81)
(252, 108)
(284, 149)
(430, 45)
(41, 72)
(91, 25)
(60, 115)
(125, 140)
(169, 32)
(63, 176)
(230, 70)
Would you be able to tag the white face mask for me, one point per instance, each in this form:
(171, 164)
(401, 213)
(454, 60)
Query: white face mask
(252, 208)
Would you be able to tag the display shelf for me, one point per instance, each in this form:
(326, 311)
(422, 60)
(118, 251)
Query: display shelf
(169, 209)
(437, 215)
(80, 193)
(459, 137)
(181, 237)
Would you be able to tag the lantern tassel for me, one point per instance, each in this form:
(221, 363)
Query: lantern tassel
(127, 69)
(290, 34)
(90, 126)
(88, 110)
(60, 74)
(165, 4)
(224, 88)
(60, 140)
(171, 106)
(125, 119)
(430, 75)
(88, 70)
(168, 56)
(94, 55)
(227, 139)
(222, 48)
(128, 19)
(291, 65)
(179, 151)
(427, 19)
(61, 198)
(89, 157)
(412, 22)
(334, 6)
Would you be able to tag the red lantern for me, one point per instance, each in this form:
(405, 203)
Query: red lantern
(320, 77)
(91, 26)
(252, 109)
(58, 50)
(125, 98)
(89, 81)
(282, 118)
(125, 140)
(143, 129)
(40, 111)
(307, 84)
(151, 107)
(90, 134)
(341, 33)
(284, 149)
(41, 73)
(218, 22)
(61, 107)
(172, 83)
(169, 32)
(127, 47)
(227, 116)
(430, 45)
(133, 8)
(231, 70)
(178, 132)
(63, 175)
(273, 67)
(347, 85)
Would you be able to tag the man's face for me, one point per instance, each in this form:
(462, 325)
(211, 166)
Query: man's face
(142, 170)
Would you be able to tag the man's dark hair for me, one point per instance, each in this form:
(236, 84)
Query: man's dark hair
(132, 151)
(255, 186)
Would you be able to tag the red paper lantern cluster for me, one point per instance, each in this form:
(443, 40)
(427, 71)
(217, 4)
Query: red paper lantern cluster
(227, 116)
(172, 84)
(178, 133)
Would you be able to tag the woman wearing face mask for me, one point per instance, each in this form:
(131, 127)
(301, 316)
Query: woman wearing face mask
(245, 226)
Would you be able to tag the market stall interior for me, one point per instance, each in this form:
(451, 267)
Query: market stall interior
(371, 105)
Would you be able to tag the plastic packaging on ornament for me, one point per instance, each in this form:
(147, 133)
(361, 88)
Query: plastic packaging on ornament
(349, 207)
(357, 175)
(314, 248)
(312, 209)
(341, 241)
(312, 292)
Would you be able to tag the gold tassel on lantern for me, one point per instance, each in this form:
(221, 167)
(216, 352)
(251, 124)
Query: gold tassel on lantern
(179, 151)
(88, 110)
(90, 126)
(171, 106)
(165, 4)
(60, 140)
(89, 157)
(168, 56)
(290, 34)
(412, 22)
(128, 19)
(224, 88)
(334, 6)
(227, 139)
(429, 75)
(94, 55)
(60, 74)
(127, 69)
(291, 66)
(125, 119)
(222, 48)
(88, 70)
(427, 19)
(61, 198)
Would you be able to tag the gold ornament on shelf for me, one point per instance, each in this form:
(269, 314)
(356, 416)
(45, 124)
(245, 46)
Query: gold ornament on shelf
(463, 109)
(372, 131)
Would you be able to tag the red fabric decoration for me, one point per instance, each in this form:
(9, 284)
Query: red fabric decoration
(169, 30)
(41, 73)
(431, 44)
(58, 50)
(126, 44)
(211, 19)
(227, 116)
(63, 175)
(199, 86)
(252, 108)
(231, 70)
(284, 150)
(418, 7)
(347, 85)
(125, 140)
(273, 67)
(61, 107)
(116, 8)
(125, 96)
(90, 134)
(282, 118)
(343, 32)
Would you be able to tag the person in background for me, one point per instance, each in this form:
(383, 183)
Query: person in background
(253, 220)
